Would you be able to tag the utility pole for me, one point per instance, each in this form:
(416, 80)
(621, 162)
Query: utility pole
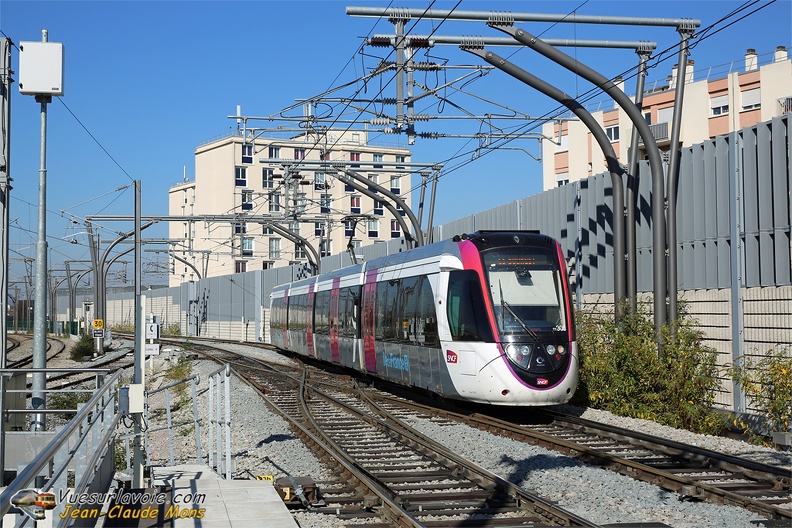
(5, 187)
(41, 75)
(140, 356)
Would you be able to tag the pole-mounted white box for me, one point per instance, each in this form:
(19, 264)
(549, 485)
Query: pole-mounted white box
(131, 400)
(40, 68)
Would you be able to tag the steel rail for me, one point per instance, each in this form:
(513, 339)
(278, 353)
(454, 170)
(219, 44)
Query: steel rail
(669, 481)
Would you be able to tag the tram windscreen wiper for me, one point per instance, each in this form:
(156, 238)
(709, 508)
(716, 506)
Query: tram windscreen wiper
(505, 305)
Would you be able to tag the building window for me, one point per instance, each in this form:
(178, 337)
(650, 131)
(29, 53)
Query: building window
(267, 230)
(751, 99)
(324, 203)
(274, 152)
(274, 248)
(274, 202)
(299, 153)
(240, 266)
(299, 251)
(354, 204)
(612, 133)
(247, 153)
(354, 156)
(373, 228)
(395, 229)
(373, 178)
(267, 265)
(319, 229)
(563, 143)
(320, 181)
(294, 227)
(395, 184)
(719, 105)
(400, 210)
(349, 228)
(247, 200)
(240, 228)
(378, 210)
(247, 246)
(378, 161)
(324, 155)
(267, 181)
(348, 187)
(300, 203)
(325, 248)
(240, 176)
(400, 159)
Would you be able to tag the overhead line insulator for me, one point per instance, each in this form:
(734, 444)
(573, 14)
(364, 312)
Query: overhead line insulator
(419, 43)
(380, 42)
(426, 66)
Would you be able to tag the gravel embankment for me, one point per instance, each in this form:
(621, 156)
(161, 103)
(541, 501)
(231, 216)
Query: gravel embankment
(264, 444)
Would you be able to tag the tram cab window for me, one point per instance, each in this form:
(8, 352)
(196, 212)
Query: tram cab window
(465, 307)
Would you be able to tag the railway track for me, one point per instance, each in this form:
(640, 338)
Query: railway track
(52, 352)
(692, 472)
(399, 475)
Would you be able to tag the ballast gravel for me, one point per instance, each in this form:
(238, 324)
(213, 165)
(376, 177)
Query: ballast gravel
(263, 444)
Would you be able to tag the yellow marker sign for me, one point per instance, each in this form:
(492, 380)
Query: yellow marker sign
(98, 323)
(266, 477)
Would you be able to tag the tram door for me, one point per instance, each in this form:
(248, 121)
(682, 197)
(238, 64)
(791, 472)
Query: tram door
(369, 298)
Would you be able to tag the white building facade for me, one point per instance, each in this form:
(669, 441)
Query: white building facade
(247, 191)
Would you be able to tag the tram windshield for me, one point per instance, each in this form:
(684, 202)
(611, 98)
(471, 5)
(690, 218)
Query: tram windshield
(526, 290)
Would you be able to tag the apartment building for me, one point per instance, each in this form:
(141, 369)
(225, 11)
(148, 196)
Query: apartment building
(725, 99)
(249, 194)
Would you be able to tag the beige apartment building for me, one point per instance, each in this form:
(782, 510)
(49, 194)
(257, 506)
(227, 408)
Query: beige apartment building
(244, 185)
(726, 99)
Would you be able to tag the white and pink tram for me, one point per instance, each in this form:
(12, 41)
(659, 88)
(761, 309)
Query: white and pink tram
(485, 317)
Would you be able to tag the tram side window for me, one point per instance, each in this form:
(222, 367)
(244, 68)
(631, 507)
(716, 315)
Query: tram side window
(347, 325)
(322, 312)
(387, 299)
(466, 311)
(426, 317)
(297, 312)
(408, 307)
(276, 317)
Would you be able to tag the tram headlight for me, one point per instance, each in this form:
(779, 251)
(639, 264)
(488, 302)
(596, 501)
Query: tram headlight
(520, 354)
(551, 349)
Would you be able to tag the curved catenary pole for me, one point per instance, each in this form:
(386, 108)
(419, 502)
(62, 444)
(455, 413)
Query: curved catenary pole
(602, 140)
(685, 31)
(392, 196)
(659, 278)
(294, 237)
(632, 189)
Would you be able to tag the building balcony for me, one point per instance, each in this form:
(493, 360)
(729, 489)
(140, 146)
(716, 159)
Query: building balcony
(784, 105)
(659, 132)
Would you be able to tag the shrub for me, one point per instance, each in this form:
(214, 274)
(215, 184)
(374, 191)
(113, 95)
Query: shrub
(622, 372)
(83, 347)
(768, 384)
(172, 330)
(181, 370)
(67, 400)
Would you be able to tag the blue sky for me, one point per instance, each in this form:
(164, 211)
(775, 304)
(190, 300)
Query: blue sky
(150, 81)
